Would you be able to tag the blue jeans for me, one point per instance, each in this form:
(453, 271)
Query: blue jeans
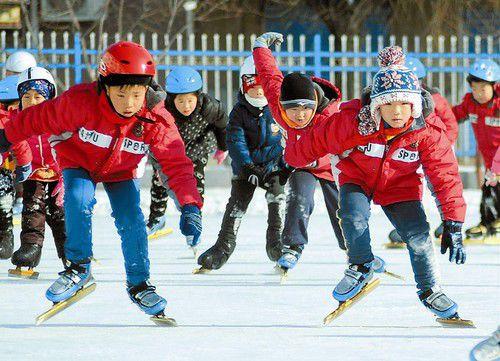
(300, 205)
(79, 201)
(407, 217)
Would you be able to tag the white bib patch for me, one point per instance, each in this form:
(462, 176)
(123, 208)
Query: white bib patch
(405, 155)
(373, 150)
(134, 146)
(95, 138)
(492, 121)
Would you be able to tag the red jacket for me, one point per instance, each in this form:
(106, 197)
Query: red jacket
(271, 79)
(386, 170)
(89, 134)
(45, 167)
(485, 119)
(20, 151)
(443, 110)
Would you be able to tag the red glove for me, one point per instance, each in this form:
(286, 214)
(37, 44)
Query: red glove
(58, 192)
(220, 155)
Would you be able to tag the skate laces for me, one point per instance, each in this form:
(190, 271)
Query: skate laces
(74, 272)
(141, 290)
(357, 271)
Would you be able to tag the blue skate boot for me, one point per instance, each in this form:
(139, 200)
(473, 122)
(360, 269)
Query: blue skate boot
(156, 225)
(438, 303)
(144, 295)
(487, 350)
(71, 280)
(290, 256)
(356, 276)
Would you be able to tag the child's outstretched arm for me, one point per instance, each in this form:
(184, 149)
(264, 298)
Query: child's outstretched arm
(269, 73)
(333, 135)
(460, 110)
(55, 116)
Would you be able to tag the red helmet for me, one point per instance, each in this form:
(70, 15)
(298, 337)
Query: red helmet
(126, 60)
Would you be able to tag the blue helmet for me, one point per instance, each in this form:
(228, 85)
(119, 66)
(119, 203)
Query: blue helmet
(416, 66)
(183, 80)
(8, 89)
(485, 69)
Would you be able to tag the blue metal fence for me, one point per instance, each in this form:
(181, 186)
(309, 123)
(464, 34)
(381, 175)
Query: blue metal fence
(351, 67)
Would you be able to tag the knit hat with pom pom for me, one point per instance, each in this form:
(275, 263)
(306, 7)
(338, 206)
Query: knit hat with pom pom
(394, 82)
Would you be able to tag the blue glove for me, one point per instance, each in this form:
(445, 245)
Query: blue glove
(452, 240)
(4, 143)
(22, 173)
(268, 39)
(190, 224)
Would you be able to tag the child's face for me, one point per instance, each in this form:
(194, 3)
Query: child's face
(300, 115)
(256, 92)
(396, 114)
(127, 99)
(482, 91)
(30, 98)
(186, 103)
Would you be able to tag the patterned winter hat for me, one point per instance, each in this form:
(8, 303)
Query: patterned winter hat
(394, 82)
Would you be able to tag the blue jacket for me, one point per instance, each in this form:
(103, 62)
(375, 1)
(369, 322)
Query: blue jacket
(253, 137)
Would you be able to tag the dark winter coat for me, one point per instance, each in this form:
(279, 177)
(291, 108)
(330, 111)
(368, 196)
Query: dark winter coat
(204, 130)
(253, 136)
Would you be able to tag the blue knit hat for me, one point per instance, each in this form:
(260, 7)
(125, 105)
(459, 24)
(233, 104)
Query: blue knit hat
(394, 82)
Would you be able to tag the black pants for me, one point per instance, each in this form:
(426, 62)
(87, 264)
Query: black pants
(241, 194)
(39, 207)
(6, 201)
(300, 205)
(159, 193)
(490, 204)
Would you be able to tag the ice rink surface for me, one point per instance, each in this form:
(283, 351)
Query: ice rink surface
(241, 312)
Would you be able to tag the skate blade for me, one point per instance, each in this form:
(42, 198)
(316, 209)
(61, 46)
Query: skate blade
(195, 252)
(60, 306)
(395, 245)
(164, 321)
(284, 276)
(96, 261)
(456, 322)
(492, 240)
(395, 275)
(160, 233)
(26, 274)
(201, 271)
(16, 221)
(347, 304)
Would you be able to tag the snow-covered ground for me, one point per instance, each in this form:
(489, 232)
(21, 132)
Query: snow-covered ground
(242, 312)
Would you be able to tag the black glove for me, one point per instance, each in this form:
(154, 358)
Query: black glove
(427, 103)
(253, 174)
(22, 173)
(283, 174)
(4, 143)
(452, 240)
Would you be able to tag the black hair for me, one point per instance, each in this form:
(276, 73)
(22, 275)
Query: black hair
(471, 78)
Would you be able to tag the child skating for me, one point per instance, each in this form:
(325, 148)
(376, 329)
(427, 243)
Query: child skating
(43, 191)
(254, 143)
(201, 121)
(378, 149)
(102, 132)
(482, 108)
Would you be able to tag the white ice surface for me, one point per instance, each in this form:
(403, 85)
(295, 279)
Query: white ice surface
(242, 312)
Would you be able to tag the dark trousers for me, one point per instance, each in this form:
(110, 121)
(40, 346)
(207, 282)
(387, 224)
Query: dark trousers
(241, 194)
(6, 201)
(300, 205)
(39, 206)
(490, 204)
(159, 193)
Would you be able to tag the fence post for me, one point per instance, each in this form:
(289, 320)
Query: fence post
(78, 59)
(317, 55)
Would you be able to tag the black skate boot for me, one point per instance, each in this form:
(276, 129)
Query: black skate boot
(273, 250)
(216, 256)
(6, 244)
(28, 255)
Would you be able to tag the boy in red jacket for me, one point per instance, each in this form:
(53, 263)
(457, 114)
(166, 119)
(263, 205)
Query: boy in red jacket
(102, 133)
(482, 108)
(298, 103)
(378, 149)
(43, 191)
